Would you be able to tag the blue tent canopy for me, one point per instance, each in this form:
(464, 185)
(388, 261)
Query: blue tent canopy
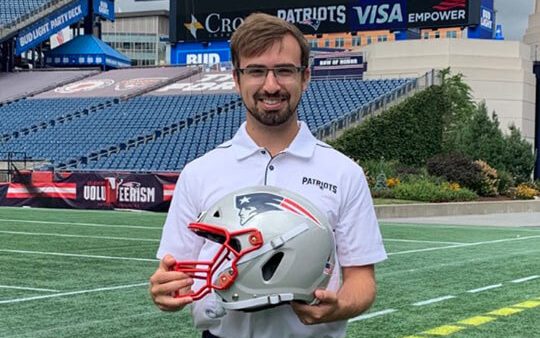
(86, 50)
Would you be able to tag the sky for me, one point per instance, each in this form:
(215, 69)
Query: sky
(514, 17)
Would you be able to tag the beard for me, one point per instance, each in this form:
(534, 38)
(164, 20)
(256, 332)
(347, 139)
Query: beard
(272, 118)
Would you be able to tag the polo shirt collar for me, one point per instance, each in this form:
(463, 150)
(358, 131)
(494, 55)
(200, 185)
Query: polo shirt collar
(302, 146)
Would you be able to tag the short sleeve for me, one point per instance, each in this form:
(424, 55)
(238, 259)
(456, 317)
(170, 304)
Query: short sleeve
(358, 237)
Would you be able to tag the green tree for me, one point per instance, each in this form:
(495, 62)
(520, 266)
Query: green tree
(481, 138)
(459, 108)
(518, 157)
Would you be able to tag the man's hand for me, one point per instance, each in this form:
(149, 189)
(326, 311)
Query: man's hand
(356, 295)
(164, 283)
(319, 313)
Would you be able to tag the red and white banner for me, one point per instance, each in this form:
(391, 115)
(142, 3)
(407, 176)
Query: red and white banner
(107, 190)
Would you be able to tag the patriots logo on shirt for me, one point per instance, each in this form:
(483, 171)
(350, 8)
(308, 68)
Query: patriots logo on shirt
(250, 205)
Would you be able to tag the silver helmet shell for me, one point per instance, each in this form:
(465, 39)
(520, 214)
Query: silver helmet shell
(278, 248)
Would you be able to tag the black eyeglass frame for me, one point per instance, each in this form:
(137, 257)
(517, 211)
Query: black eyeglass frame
(298, 69)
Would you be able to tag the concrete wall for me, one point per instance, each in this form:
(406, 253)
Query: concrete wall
(499, 72)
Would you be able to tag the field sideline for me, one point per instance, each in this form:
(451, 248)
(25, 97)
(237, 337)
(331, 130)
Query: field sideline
(84, 274)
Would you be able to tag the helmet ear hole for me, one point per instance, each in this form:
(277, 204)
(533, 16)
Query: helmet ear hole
(217, 214)
(270, 267)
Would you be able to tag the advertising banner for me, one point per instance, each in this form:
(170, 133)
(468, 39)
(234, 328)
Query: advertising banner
(207, 20)
(42, 30)
(210, 53)
(438, 13)
(339, 64)
(94, 191)
(486, 27)
(104, 8)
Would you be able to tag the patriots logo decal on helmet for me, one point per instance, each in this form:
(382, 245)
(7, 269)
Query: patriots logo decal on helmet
(250, 205)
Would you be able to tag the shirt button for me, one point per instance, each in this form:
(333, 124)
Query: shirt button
(271, 167)
(263, 152)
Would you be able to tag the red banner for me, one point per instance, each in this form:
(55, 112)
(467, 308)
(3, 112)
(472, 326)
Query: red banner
(92, 191)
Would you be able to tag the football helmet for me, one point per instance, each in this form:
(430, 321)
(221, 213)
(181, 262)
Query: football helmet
(275, 247)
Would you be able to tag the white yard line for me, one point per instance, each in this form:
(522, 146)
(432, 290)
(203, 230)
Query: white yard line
(82, 224)
(455, 226)
(76, 236)
(19, 300)
(434, 300)
(462, 245)
(79, 255)
(371, 315)
(485, 288)
(440, 299)
(25, 288)
(525, 279)
(419, 241)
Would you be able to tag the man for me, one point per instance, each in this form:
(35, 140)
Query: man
(272, 147)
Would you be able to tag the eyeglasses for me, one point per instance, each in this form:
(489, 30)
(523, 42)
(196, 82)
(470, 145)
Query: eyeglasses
(282, 73)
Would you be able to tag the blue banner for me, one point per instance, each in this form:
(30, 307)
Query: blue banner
(51, 24)
(199, 53)
(104, 8)
(486, 28)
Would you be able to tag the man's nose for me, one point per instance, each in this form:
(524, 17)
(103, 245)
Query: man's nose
(271, 84)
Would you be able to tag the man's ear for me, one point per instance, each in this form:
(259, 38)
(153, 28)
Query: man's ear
(236, 79)
(306, 77)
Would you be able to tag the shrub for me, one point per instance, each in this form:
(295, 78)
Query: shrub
(375, 167)
(490, 179)
(403, 170)
(409, 132)
(455, 167)
(506, 181)
(428, 191)
(524, 192)
(392, 182)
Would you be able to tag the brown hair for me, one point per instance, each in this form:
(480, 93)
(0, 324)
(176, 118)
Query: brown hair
(258, 32)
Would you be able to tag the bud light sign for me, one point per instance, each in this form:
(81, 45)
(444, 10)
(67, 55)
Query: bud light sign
(485, 29)
(200, 53)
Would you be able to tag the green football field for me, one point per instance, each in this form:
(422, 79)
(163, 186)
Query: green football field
(85, 273)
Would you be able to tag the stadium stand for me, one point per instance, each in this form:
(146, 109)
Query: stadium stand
(127, 122)
(24, 84)
(17, 13)
(323, 104)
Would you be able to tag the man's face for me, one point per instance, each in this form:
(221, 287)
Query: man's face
(272, 100)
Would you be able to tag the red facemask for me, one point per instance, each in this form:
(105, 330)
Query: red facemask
(230, 250)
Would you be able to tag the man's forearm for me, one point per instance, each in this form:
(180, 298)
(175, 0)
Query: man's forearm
(357, 293)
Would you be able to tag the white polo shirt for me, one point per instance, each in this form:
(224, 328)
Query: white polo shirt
(309, 167)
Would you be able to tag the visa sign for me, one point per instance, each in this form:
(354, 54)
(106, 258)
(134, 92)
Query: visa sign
(374, 13)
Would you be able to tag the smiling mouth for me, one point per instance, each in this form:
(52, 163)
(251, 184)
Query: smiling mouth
(271, 102)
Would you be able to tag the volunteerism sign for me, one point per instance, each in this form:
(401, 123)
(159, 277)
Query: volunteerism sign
(51, 24)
